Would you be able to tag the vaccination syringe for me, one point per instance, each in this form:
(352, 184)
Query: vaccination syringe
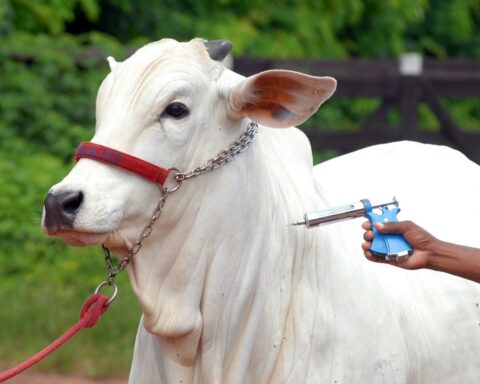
(388, 246)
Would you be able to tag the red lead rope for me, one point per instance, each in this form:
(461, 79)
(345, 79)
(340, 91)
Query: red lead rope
(91, 311)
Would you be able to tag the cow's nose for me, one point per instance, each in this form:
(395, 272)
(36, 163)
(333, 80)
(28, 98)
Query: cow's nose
(61, 209)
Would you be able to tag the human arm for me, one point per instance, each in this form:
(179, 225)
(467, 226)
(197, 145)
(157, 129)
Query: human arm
(429, 252)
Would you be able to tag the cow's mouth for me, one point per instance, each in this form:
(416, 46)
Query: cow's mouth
(81, 239)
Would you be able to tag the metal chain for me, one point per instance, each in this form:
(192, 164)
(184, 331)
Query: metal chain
(224, 157)
(112, 269)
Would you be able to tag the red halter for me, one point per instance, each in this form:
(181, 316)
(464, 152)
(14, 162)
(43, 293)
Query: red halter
(122, 160)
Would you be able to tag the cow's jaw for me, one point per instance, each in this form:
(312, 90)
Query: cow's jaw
(82, 239)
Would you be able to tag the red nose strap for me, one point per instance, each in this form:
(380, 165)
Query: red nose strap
(123, 160)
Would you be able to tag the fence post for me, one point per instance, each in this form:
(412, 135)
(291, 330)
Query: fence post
(410, 68)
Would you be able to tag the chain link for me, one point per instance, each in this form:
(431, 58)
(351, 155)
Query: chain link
(224, 157)
(114, 270)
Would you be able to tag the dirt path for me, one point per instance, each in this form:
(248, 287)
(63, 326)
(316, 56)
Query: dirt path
(52, 378)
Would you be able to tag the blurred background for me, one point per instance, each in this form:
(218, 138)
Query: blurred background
(52, 61)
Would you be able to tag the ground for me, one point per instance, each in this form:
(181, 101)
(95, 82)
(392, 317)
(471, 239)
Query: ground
(51, 378)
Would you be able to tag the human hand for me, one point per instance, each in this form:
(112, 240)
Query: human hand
(423, 243)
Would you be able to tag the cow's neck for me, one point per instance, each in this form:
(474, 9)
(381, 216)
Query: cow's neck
(222, 272)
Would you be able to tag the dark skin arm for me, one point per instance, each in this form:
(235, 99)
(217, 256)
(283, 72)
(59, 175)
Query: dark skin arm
(429, 252)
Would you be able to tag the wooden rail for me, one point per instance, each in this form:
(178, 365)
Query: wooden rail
(396, 83)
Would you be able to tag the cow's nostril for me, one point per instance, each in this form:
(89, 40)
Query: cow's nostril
(61, 210)
(72, 201)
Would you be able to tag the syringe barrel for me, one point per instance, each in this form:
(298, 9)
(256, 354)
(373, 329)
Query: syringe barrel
(345, 212)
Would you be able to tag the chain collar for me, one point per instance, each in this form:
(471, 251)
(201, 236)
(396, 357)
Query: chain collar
(222, 158)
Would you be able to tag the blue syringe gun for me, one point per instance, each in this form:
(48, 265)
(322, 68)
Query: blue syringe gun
(386, 245)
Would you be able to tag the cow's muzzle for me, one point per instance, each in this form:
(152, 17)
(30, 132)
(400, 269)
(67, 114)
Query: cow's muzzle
(61, 210)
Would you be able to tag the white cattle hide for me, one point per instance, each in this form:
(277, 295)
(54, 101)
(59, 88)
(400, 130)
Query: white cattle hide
(229, 292)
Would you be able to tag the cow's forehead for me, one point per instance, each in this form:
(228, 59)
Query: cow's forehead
(155, 70)
(164, 61)
(168, 53)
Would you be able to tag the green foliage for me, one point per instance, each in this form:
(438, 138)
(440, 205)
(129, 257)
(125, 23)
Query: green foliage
(47, 15)
(25, 177)
(51, 64)
(451, 28)
(46, 97)
(305, 28)
(279, 28)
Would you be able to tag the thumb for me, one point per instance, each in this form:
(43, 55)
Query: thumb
(394, 227)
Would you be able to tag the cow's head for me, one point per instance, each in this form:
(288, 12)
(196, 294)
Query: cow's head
(175, 105)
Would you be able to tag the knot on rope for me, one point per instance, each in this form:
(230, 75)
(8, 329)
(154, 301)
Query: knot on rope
(94, 307)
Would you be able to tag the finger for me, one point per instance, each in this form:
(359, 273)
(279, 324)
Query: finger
(393, 227)
(367, 226)
(366, 246)
(368, 236)
(373, 258)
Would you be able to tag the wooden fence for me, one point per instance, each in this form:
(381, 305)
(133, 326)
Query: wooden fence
(405, 83)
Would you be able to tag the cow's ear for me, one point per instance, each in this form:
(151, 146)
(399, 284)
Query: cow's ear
(112, 63)
(281, 99)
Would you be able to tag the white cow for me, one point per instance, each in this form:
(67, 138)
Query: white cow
(229, 292)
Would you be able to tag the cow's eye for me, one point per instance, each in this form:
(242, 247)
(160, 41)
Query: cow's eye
(176, 110)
